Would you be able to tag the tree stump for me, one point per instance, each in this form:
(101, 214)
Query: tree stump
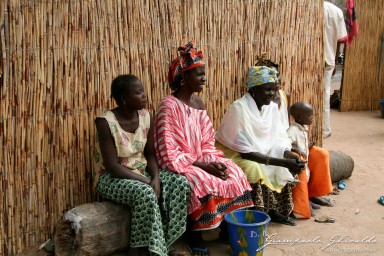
(93, 229)
(341, 166)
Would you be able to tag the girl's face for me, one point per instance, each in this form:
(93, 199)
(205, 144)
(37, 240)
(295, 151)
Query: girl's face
(265, 94)
(195, 79)
(135, 97)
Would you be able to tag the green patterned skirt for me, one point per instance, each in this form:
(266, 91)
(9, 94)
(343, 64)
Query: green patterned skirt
(156, 223)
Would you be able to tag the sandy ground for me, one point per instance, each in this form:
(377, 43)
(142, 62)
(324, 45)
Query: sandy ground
(359, 226)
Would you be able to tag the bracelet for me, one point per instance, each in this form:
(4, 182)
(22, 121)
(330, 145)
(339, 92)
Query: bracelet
(267, 160)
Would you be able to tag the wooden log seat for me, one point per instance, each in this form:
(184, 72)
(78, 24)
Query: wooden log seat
(96, 229)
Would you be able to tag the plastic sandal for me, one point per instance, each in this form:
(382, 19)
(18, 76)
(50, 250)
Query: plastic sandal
(325, 219)
(195, 250)
(342, 185)
(381, 200)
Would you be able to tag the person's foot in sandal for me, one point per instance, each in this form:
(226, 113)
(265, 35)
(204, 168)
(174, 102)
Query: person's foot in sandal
(173, 252)
(321, 201)
(280, 218)
(195, 244)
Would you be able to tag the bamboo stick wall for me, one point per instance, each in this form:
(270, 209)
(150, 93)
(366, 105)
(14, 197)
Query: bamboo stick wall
(59, 57)
(362, 88)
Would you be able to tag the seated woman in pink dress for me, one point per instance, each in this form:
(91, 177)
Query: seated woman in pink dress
(185, 144)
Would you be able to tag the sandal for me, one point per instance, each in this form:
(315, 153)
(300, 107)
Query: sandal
(381, 200)
(342, 185)
(197, 251)
(325, 219)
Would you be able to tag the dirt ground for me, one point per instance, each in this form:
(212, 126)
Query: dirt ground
(359, 226)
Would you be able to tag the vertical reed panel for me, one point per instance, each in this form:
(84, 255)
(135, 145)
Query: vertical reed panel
(363, 82)
(58, 59)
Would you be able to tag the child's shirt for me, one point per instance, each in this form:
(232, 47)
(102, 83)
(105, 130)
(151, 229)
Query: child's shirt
(298, 135)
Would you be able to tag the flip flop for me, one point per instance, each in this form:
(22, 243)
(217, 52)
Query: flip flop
(197, 250)
(342, 185)
(381, 200)
(325, 219)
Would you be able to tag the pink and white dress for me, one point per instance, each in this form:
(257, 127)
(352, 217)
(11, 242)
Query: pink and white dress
(184, 135)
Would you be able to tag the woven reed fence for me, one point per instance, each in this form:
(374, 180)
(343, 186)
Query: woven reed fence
(363, 82)
(59, 57)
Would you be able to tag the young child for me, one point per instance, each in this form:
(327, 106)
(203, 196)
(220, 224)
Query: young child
(316, 180)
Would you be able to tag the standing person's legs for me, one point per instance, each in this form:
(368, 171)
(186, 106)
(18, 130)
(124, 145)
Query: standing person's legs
(326, 101)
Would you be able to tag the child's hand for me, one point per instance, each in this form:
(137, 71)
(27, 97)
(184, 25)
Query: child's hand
(299, 152)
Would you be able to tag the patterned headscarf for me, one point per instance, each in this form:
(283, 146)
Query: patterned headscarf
(189, 57)
(259, 75)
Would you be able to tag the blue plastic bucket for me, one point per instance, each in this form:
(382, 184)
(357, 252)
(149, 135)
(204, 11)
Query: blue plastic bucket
(247, 230)
(382, 107)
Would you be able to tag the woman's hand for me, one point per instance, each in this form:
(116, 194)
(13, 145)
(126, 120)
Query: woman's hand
(290, 155)
(294, 163)
(216, 169)
(155, 184)
(295, 166)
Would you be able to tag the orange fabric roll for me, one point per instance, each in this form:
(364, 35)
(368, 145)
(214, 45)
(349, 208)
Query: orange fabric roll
(301, 198)
(319, 183)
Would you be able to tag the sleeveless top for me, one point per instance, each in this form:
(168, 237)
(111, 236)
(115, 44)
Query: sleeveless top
(129, 146)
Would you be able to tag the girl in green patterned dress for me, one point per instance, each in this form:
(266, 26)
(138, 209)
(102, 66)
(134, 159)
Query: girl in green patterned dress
(129, 173)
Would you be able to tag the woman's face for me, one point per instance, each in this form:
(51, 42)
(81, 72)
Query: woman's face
(195, 79)
(135, 97)
(265, 94)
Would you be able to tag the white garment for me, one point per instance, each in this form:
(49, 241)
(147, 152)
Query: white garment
(245, 129)
(326, 101)
(284, 109)
(298, 135)
(334, 30)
